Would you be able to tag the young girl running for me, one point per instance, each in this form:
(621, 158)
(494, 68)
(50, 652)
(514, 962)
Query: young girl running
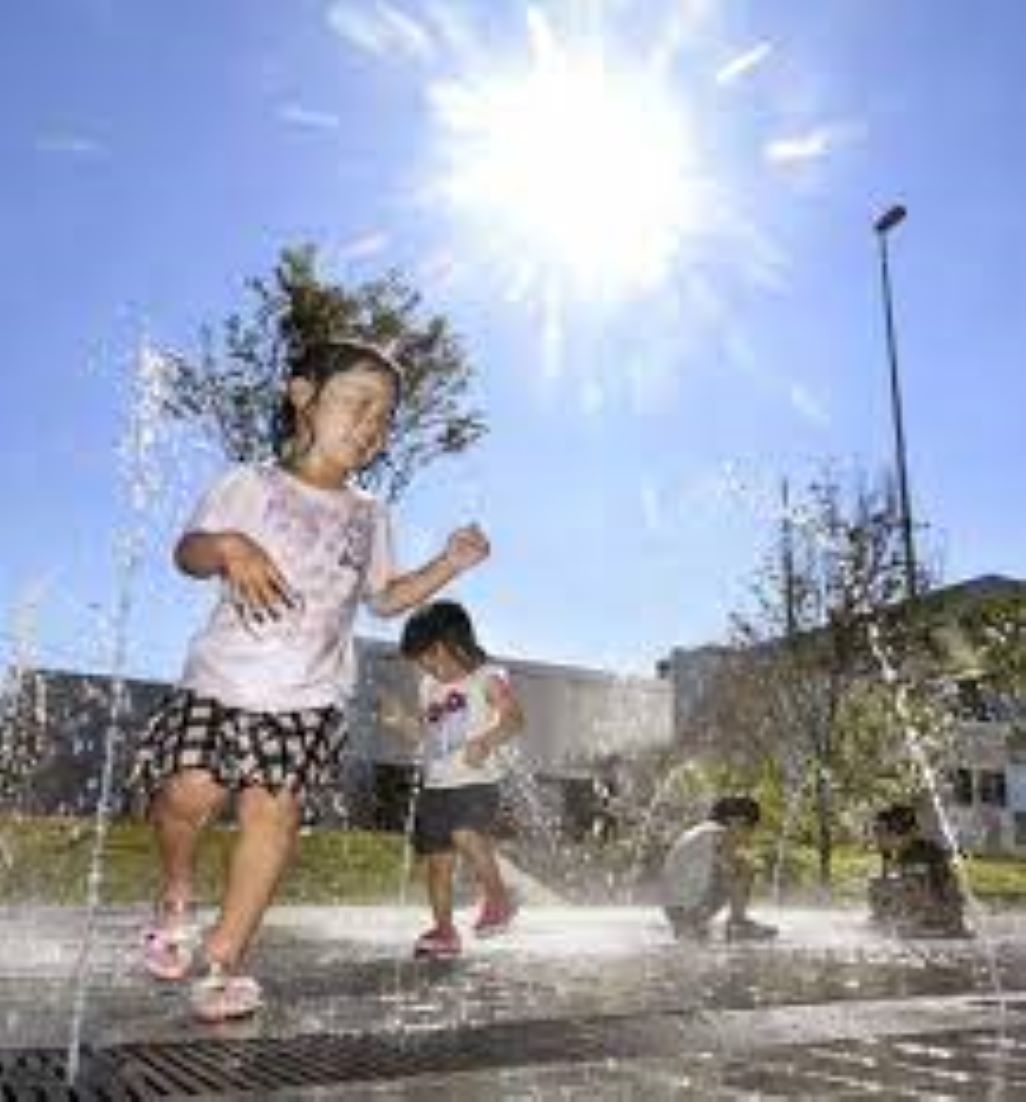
(260, 709)
(468, 711)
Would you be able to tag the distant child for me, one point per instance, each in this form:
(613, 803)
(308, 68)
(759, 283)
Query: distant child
(706, 871)
(467, 712)
(916, 893)
(261, 707)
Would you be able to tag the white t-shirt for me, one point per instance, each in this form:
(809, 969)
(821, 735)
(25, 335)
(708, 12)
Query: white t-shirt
(688, 869)
(452, 713)
(333, 548)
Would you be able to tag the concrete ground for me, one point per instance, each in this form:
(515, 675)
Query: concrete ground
(572, 1003)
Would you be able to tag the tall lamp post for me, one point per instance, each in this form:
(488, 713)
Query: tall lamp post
(887, 221)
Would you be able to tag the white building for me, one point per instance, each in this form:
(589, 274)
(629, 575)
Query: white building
(576, 719)
(984, 786)
(983, 783)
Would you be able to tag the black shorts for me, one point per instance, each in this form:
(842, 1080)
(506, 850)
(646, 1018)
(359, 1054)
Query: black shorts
(274, 750)
(440, 811)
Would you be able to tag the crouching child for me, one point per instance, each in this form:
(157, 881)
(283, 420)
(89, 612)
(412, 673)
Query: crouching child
(917, 893)
(706, 872)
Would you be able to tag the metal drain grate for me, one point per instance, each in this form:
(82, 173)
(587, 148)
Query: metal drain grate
(41, 1075)
(126, 1073)
(257, 1067)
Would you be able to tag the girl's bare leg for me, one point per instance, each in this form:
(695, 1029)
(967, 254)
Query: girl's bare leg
(740, 890)
(440, 869)
(479, 850)
(268, 828)
(181, 809)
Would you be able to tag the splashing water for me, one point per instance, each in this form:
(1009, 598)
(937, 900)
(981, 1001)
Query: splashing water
(796, 777)
(917, 752)
(406, 874)
(531, 809)
(142, 477)
(21, 733)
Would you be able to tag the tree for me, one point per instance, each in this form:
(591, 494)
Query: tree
(232, 390)
(801, 686)
(983, 643)
(995, 631)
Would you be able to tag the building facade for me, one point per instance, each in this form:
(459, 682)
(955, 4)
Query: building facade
(981, 781)
(57, 726)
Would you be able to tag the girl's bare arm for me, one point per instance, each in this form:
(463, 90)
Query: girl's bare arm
(507, 721)
(465, 548)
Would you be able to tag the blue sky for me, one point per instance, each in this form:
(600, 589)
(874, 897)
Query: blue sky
(156, 155)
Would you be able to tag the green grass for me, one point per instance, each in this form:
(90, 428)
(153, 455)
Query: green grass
(992, 879)
(46, 860)
(998, 879)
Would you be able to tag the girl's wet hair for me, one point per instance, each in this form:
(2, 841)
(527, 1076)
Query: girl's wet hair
(318, 362)
(744, 808)
(444, 622)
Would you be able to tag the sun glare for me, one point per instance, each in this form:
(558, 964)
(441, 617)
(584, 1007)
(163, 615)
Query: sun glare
(580, 157)
(587, 171)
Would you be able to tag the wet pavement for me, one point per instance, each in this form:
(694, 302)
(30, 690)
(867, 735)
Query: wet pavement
(572, 1003)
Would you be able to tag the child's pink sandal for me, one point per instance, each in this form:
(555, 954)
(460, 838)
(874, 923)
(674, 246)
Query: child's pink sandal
(167, 948)
(221, 997)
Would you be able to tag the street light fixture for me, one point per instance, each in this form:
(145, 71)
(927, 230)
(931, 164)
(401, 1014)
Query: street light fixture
(887, 221)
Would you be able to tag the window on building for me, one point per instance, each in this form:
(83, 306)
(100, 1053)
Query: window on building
(1020, 828)
(993, 789)
(972, 700)
(961, 787)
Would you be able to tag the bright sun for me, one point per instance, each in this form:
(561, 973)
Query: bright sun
(587, 172)
(611, 158)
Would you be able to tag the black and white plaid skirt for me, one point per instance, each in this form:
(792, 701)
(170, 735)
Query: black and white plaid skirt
(274, 750)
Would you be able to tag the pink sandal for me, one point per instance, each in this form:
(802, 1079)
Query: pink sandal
(167, 945)
(221, 997)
